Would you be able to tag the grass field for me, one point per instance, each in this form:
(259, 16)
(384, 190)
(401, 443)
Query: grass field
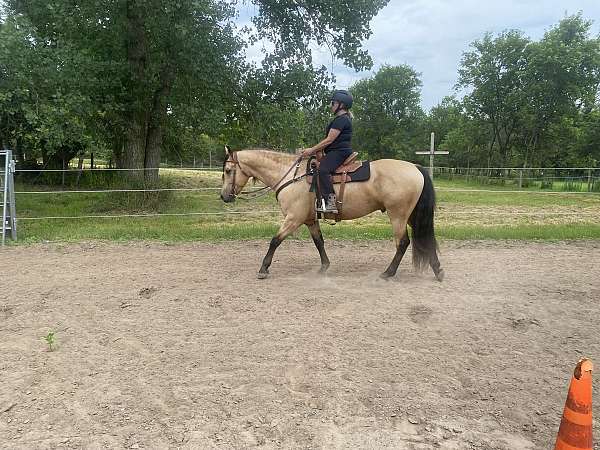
(465, 211)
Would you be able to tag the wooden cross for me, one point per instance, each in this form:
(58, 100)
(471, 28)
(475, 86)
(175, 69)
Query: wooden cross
(432, 152)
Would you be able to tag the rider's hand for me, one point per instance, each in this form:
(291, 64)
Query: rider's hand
(307, 152)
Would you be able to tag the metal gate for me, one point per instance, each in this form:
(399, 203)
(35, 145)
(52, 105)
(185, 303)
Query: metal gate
(7, 186)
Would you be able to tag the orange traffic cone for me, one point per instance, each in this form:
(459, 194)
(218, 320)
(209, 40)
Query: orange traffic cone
(575, 432)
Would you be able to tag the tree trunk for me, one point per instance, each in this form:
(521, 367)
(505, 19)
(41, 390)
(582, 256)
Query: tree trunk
(489, 156)
(63, 173)
(117, 151)
(148, 113)
(134, 146)
(79, 169)
(156, 126)
(57, 160)
(134, 151)
(19, 153)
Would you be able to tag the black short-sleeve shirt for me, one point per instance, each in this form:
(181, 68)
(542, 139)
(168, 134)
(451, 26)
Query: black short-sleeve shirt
(343, 141)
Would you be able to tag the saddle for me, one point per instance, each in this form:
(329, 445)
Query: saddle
(350, 165)
(350, 170)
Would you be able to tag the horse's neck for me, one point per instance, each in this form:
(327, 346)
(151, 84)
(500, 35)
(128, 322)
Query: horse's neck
(268, 167)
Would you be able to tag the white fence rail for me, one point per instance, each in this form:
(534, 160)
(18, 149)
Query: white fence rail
(569, 178)
(590, 177)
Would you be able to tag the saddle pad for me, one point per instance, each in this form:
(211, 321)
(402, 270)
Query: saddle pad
(349, 168)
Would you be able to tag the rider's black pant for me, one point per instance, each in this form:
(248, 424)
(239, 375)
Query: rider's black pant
(331, 161)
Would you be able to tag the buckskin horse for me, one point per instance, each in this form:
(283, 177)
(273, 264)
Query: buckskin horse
(402, 189)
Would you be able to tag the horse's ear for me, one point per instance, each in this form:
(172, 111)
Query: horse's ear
(227, 150)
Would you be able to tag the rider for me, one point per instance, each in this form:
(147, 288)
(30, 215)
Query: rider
(336, 148)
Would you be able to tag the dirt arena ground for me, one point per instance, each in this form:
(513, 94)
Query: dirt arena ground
(180, 346)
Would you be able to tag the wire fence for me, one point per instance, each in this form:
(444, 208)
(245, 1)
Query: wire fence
(505, 191)
(216, 189)
(550, 178)
(568, 178)
(465, 168)
(273, 212)
(115, 169)
(509, 176)
(214, 168)
(117, 216)
(105, 191)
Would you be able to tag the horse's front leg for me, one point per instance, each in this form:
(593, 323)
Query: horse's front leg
(288, 226)
(315, 232)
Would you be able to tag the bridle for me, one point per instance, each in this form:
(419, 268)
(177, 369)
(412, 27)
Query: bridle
(251, 195)
(233, 159)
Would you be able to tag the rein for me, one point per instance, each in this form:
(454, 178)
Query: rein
(251, 195)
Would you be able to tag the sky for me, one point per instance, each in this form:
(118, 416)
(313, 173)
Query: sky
(431, 35)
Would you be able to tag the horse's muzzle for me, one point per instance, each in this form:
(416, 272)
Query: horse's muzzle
(228, 199)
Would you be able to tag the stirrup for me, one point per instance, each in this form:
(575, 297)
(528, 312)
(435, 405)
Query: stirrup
(321, 207)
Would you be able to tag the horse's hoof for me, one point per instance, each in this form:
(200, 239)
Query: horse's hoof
(385, 276)
(440, 275)
(262, 275)
(323, 269)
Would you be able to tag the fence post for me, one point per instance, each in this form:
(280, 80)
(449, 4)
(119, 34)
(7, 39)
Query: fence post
(520, 179)
(589, 180)
(7, 207)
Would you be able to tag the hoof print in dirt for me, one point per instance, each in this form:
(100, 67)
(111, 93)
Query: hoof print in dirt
(420, 314)
(147, 292)
(523, 323)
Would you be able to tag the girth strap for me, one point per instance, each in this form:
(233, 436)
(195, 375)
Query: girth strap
(340, 198)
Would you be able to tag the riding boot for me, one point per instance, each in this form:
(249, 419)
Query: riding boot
(329, 205)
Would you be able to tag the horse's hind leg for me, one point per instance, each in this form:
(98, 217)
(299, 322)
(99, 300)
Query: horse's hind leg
(402, 241)
(315, 232)
(287, 227)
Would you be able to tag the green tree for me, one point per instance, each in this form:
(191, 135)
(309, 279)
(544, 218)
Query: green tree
(531, 97)
(561, 80)
(387, 112)
(493, 71)
(442, 119)
(280, 107)
(40, 115)
(589, 139)
(155, 59)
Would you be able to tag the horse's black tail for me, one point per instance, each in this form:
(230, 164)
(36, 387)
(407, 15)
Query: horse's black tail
(421, 221)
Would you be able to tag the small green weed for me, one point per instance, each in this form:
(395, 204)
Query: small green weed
(50, 340)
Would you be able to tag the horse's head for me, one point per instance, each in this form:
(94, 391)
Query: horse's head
(234, 177)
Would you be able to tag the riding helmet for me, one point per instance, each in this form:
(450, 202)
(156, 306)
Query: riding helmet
(343, 97)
